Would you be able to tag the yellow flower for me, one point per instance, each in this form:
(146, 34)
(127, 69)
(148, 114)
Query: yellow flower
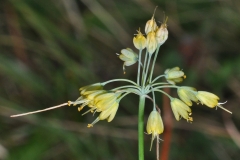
(129, 57)
(88, 98)
(187, 95)
(210, 100)
(174, 75)
(162, 33)
(108, 114)
(151, 24)
(154, 125)
(207, 98)
(151, 42)
(139, 41)
(180, 109)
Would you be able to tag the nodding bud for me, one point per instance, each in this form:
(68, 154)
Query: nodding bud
(151, 24)
(139, 41)
(162, 33)
(129, 57)
(174, 75)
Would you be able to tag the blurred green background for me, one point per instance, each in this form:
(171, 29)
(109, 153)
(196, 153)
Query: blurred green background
(51, 48)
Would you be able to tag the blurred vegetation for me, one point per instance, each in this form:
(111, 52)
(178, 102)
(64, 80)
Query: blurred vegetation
(50, 48)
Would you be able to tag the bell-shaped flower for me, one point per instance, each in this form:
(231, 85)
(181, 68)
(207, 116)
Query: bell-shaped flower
(129, 57)
(210, 100)
(180, 109)
(108, 114)
(162, 33)
(207, 98)
(151, 42)
(174, 75)
(187, 95)
(103, 101)
(154, 125)
(139, 41)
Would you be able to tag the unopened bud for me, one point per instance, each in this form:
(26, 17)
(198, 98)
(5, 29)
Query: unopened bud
(151, 42)
(151, 24)
(162, 33)
(139, 41)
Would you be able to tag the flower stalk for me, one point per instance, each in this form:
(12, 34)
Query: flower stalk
(141, 127)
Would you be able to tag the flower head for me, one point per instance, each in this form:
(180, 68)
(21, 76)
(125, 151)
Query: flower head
(154, 125)
(162, 33)
(186, 94)
(129, 57)
(174, 75)
(139, 41)
(180, 109)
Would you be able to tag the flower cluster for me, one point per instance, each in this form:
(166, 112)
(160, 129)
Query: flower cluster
(106, 102)
(98, 100)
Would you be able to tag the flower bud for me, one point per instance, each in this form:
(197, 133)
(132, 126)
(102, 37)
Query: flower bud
(174, 75)
(92, 87)
(186, 94)
(162, 33)
(151, 24)
(139, 41)
(154, 125)
(151, 42)
(129, 57)
(180, 109)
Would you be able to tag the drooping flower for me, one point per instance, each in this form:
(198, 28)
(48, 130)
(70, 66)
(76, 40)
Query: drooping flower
(207, 98)
(108, 114)
(180, 109)
(139, 41)
(186, 94)
(174, 75)
(154, 125)
(129, 57)
(210, 100)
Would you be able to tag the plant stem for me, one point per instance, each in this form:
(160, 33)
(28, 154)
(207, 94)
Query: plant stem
(144, 66)
(146, 73)
(153, 64)
(140, 128)
(139, 62)
(114, 80)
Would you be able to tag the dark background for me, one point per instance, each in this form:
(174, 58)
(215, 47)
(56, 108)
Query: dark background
(51, 48)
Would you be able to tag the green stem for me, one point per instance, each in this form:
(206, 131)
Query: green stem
(153, 64)
(127, 86)
(158, 78)
(113, 80)
(141, 128)
(144, 66)
(146, 73)
(139, 62)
